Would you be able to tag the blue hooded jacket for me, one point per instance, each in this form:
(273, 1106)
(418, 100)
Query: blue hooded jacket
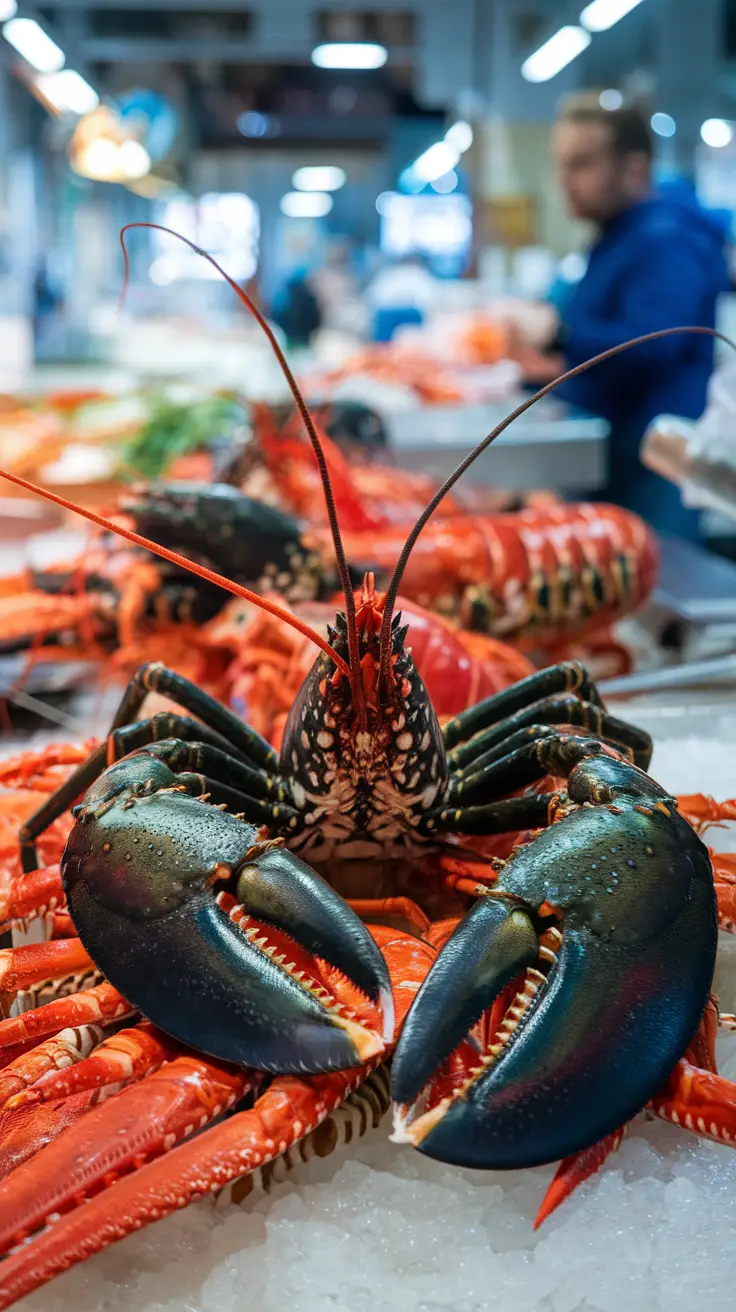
(659, 264)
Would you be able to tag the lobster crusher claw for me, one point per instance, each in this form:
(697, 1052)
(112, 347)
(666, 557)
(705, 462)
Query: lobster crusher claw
(237, 972)
(585, 971)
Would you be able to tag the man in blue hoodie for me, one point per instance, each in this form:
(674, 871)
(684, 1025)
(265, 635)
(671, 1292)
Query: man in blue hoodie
(658, 262)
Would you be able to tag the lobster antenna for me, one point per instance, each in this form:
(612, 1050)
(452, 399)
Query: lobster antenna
(395, 583)
(309, 424)
(192, 566)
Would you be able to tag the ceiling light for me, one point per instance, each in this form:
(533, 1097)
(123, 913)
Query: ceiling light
(134, 161)
(610, 99)
(460, 135)
(35, 45)
(663, 124)
(602, 14)
(100, 160)
(555, 54)
(8, 9)
(716, 132)
(439, 159)
(349, 54)
(306, 204)
(447, 183)
(319, 177)
(68, 92)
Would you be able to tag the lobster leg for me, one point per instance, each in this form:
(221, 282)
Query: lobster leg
(563, 710)
(229, 730)
(155, 677)
(569, 676)
(55, 805)
(289, 1109)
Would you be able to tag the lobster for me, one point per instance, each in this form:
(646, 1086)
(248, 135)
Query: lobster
(185, 875)
(110, 602)
(541, 575)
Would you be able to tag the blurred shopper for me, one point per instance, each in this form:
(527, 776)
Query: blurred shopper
(658, 262)
(296, 310)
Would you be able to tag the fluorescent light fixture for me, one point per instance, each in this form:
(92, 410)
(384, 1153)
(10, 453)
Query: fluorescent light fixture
(35, 45)
(306, 204)
(439, 159)
(716, 132)
(134, 160)
(663, 124)
(602, 14)
(8, 9)
(610, 99)
(349, 54)
(555, 54)
(446, 184)
(460, 135)
(319, 177)
(68, 92)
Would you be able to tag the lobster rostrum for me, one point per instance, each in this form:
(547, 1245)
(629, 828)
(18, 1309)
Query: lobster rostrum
(554, 1011)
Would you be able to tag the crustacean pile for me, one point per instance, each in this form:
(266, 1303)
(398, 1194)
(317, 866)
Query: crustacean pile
(538, 955)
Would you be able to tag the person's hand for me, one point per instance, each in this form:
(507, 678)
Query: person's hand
(535, 323)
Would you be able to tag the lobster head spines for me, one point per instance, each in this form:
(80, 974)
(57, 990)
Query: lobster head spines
(621, 896)
(387, 735)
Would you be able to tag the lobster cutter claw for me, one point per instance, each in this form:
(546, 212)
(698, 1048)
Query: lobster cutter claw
(603, 930)
(239, 976)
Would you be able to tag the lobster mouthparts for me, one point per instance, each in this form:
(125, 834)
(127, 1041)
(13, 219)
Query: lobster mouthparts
(601, 935)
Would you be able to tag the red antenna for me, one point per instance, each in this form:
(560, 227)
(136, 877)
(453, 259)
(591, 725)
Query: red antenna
(353, 671)
(173, 556)
(395, 583)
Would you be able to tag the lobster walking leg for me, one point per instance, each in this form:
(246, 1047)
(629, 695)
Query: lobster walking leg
(569, 676)
(229, 731)
(563, 709)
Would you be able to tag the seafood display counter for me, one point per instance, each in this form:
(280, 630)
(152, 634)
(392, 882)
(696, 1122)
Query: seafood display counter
(554, 445)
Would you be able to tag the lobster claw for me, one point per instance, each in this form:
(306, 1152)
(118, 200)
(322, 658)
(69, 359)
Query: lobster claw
(235, 979)
(606, 924)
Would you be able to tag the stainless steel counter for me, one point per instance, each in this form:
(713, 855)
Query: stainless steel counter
(552, 446)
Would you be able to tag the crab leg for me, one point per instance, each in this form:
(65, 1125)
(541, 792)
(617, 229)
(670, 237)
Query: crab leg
(695, 1096)
(120, 1059)
(102, 1004)
(54, 1054)
(574, 1170)
(701, 811)
(26, 896)
(724, 874)
(24, 967)
(82, 1161)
